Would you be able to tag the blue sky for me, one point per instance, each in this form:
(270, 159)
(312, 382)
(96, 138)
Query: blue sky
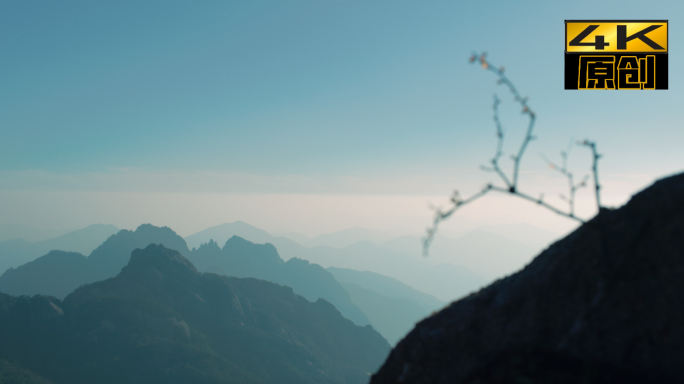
(328, 96)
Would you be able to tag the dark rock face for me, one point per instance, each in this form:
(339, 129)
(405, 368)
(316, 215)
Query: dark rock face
(602, 305)
(161, 321)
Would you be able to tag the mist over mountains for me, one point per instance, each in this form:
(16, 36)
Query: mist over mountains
(242, 258)
(392, 306)
(375, 282)
(58, 273)
(455, 266)
(343, 238)
(161, 321)
(28, 233)
(21, 250)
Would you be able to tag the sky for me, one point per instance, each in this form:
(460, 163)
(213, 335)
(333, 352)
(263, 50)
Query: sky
(307, 116)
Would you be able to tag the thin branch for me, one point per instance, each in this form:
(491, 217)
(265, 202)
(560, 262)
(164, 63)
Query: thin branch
(513, 185)
(440, 215)
(563, 169)
(512, 182)
(594, 168)
(540, 202)
(499, 146)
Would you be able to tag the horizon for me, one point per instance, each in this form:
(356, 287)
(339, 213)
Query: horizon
(340, 192)
(307, 118)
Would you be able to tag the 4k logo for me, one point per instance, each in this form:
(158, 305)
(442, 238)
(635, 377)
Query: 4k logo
(616, 54)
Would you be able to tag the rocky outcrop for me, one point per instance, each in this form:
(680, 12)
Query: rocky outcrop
(602, 305)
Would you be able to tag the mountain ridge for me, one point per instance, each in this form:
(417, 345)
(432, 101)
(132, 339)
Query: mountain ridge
(161, 321)
(16, 252)
(59, 273)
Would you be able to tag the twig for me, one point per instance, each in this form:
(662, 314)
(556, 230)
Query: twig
(563, 169)
(512, 182)
(594, 168)
(482, 58)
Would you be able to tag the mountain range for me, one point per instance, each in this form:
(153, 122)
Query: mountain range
(18, 251)
(343, 238)
(391, 306)
(445, 282)
(242, 258)
(477, 257)
(161, 321)
(380, 284)
(28, 233)
(58, 273)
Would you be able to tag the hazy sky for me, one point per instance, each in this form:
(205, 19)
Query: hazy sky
(305, 116)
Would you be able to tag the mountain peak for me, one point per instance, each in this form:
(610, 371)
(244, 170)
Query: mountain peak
(223, 232)
(239, 247)
(167, 262)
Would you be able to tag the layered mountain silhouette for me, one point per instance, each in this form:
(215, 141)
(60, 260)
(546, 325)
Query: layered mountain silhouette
(391, 306)
(58, 273)
(161, 321)
(603, 305)
(28, 233)
(242, 258)
(221, 233)
(446, 282)
(349, 236)
(386, 286)
(486, 254)
(16, 252)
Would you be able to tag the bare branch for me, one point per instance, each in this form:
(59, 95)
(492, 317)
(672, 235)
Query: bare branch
(572, 187)
(440, 215)
(499, 145)
(512, 182)
(594, 168)
(482, 58)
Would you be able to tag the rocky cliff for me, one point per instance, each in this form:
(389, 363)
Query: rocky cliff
(602, 305)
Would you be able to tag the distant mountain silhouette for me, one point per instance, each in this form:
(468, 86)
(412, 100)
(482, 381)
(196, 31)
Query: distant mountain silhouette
(392, 306)
(392, 317)
(534, 237)
(221, 234)
(114, 253)
(28, 233)
(347, 237)
(298, 237)
(56, 274)
(161, 321)
(602, 305)
(386, 286)
(242, 258)
(14, 253)
(59, 273)
(446, 282)
(486, 254)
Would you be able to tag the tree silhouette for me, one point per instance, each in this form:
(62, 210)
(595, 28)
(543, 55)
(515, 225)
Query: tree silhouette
(511, 183)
